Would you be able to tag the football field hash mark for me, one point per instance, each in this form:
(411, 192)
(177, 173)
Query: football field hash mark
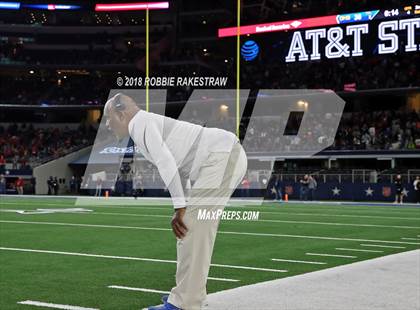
(55, 306)
(383, 246)
(331, 255)
(139, 289)
(297, 261)
(359, 250)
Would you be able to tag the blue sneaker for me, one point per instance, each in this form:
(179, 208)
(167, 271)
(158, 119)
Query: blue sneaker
(165, 299)
(166, 306)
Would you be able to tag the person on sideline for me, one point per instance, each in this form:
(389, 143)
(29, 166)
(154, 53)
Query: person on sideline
(19, 186)
(416, 185)
(304, 188)
(211, 159)
(312, 185)
(398, 189)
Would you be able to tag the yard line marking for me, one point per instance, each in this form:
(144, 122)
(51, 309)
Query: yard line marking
(90, 255)
(383, 246)
(87, 225)
(298, 261)
(251, 209)
(292, 213)
(344, 215)
(136, 258)
(55, 306)
(147, 290)
(270, 221)
(340, 224)
(359, 250)
(331, 255)
(134, 214)
(138, 207)
(220, 232)
(313, 237)
(222, 279)
(415, 239)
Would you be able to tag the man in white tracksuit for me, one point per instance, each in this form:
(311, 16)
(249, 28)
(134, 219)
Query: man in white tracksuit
(212, 160)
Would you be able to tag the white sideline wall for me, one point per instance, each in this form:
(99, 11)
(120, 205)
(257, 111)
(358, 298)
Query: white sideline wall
(57, 168)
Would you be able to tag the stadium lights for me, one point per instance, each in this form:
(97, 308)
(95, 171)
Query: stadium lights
(302, 103)
(132, 6)
(224, 108)
(10, 5)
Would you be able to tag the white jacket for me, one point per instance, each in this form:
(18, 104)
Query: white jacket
(172, 145)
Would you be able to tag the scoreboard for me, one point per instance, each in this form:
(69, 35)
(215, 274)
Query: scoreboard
(343, 35)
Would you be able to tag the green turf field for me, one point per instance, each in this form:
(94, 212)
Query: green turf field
(140, 248)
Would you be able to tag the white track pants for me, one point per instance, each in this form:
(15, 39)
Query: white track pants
(218, 178)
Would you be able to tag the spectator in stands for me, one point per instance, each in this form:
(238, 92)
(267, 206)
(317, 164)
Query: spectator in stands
(19, 186)
(2, 184)
(312, 185)
(2, 163)
(416, 185)
(398, 189)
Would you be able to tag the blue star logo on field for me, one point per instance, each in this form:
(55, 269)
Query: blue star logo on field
(336, 191)
(250, 50)
(405, 192)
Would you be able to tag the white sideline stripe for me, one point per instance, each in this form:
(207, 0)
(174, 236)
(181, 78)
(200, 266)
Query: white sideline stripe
(55, 306)
(147, 290)
(136, 258)
(331, 255)
(384, 246)
(359, 250)
(220, 232)
(415, 239)
(298, 261)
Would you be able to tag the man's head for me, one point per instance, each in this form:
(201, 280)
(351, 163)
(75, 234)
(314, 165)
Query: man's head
(119, 110)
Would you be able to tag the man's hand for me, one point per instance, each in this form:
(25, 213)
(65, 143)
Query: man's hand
(178, 225)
